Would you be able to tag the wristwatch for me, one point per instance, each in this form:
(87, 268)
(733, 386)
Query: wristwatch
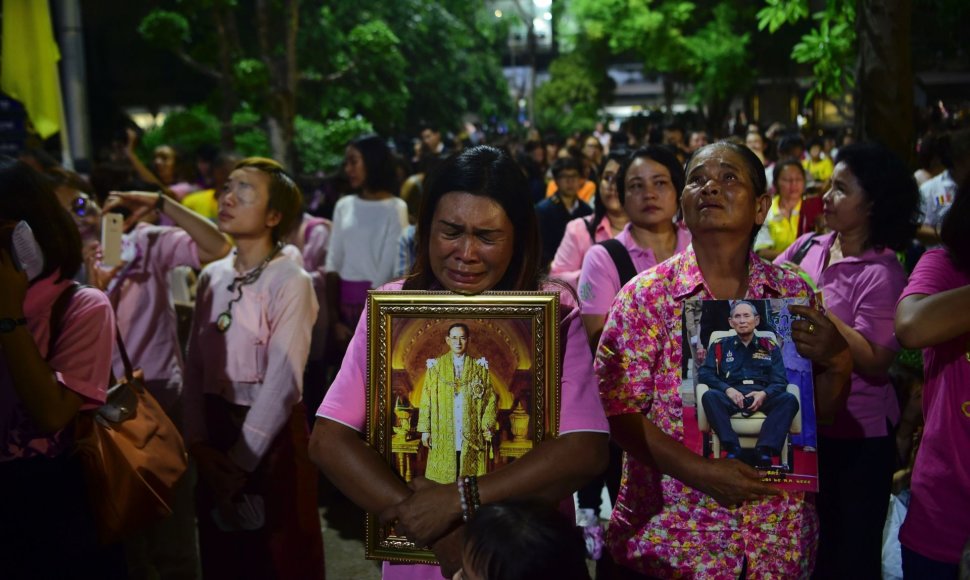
(8, 324)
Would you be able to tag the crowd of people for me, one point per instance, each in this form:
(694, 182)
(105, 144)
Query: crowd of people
(267, 380)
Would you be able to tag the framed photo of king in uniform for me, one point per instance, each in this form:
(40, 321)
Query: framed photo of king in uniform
(457, 385)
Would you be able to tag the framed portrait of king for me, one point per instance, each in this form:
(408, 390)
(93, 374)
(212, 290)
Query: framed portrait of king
(457, 385)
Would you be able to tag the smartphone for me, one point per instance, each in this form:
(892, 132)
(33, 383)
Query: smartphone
(112, 226)
(25, 251)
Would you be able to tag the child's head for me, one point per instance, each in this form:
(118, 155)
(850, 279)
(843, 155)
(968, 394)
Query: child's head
(522, 540)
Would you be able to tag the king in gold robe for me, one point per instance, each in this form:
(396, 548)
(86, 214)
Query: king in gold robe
(436, 416)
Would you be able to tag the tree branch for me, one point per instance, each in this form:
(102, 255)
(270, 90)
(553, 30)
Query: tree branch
(196, 65)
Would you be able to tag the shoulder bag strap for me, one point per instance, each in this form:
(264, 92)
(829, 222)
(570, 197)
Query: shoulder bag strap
(621, 258)
(799, 254)
(59, 310)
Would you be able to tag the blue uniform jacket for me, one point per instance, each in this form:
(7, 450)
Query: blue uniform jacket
(756, 367)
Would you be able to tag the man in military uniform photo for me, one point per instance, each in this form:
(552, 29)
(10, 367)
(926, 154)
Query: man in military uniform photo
(746, 374)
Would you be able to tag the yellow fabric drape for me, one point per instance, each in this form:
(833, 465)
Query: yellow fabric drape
(30, 56)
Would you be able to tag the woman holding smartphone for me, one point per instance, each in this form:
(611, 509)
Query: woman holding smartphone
(54, 362)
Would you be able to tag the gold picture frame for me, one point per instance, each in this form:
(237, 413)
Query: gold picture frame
(509, 387)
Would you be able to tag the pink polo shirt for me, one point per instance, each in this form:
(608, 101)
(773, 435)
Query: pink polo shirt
(258, 362)
(600, 281)
(145, 311)
(938, 522)
(862, 291)
(568, 261)
(580, 409)
(80, 361)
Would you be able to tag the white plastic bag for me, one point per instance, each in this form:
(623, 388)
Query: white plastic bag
(892, 555)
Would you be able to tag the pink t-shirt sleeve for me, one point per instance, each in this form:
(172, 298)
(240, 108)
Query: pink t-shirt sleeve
(569, 257)
(169, 247)
(580, 408)
(875, 310)
(346, 400)
(932, 274)
(82, 354)
(598, 283)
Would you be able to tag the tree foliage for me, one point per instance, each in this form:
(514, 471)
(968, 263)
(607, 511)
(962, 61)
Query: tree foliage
(704, 43)
(577, 88)
(829, 47)
(390, 65)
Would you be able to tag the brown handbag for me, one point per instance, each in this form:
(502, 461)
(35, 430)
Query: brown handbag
(131, 454)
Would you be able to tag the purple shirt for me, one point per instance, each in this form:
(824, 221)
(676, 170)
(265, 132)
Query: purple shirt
(574, 245)
(81, 360)
(146, 314)
(938, 522)
(599, 281)
(258, 362)
(862, 291)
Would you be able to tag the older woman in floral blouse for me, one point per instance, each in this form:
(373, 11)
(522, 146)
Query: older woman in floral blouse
(680, 514)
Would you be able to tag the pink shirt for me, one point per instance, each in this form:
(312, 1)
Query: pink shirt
(579, 411)
(862, 291)
(81, 362)
(258, 362)
(568, 261)
(145, 311)
(938, 523)
(599, 281)
(660, 526)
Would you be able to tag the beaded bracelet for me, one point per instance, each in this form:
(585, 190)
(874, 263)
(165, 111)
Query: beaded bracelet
(466, 512)
(471, 491)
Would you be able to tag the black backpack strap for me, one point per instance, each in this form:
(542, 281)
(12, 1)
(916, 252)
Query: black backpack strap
(802, 250)
(58, 310)
(621, 259)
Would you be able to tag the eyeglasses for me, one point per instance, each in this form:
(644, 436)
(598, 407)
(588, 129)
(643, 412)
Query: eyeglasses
(80, 206)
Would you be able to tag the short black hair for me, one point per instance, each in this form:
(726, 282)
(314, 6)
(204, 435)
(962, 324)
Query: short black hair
(487, 172)
(752, 166)
(891, 189)
(663, 155)
(378, 163)
(788, 142)
(460, 325)
(617, 155)
(26, 195)
(565, 164)
(523, 540)
(781, 165)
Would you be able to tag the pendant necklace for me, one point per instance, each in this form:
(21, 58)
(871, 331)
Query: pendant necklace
(224, 320)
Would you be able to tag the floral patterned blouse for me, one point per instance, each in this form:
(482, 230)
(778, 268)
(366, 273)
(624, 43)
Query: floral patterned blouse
(660, 526)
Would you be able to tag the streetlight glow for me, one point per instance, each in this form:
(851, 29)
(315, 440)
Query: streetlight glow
(498, 14)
